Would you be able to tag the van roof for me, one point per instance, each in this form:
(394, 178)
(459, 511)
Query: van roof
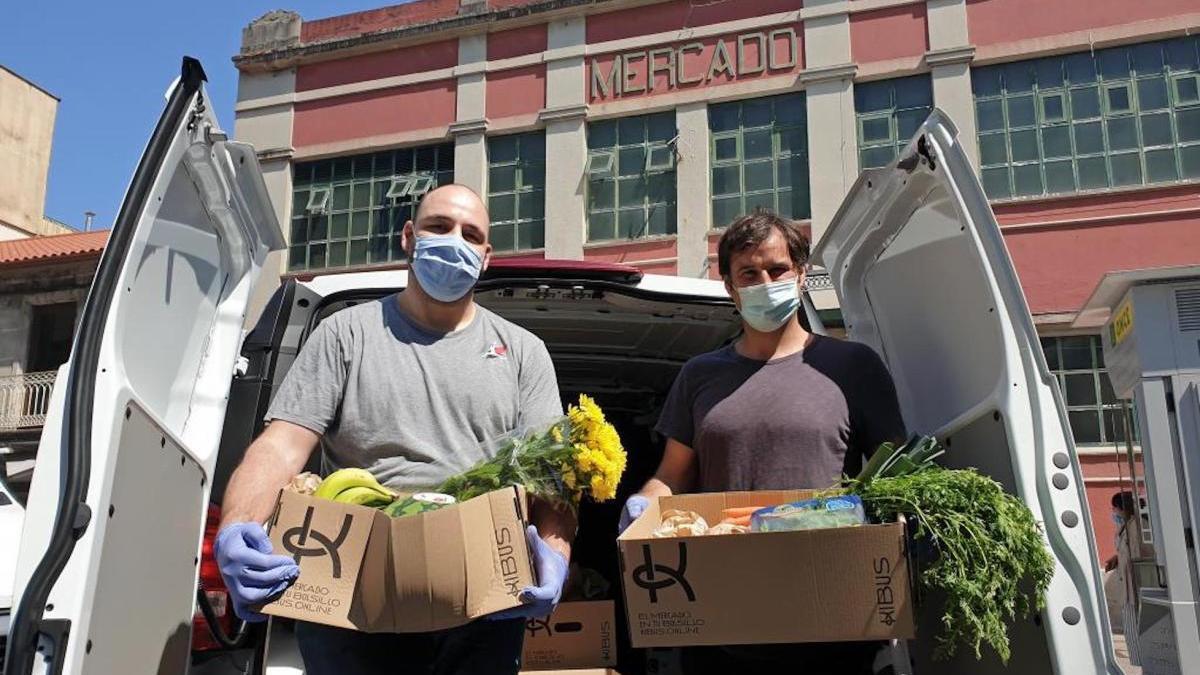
(328, 283)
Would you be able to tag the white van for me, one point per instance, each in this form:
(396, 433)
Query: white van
(163, 392)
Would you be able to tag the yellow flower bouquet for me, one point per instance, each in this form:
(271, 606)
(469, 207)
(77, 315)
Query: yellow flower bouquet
(577, 455)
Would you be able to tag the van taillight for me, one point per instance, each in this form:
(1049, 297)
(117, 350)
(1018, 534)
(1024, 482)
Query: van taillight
(214, 588)
(219, 601)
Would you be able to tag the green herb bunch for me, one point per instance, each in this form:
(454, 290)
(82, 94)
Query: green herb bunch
(991, 564)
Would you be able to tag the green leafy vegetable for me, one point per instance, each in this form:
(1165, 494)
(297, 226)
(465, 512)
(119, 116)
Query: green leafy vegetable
(991, 564)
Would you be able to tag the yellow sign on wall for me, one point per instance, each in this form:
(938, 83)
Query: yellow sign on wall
(1121, 324)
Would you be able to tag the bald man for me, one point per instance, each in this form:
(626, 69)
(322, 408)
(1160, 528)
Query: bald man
(411, 387)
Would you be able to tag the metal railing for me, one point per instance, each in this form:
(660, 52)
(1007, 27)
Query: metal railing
(24, 399)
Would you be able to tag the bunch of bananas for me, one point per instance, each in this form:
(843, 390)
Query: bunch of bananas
(354, 486)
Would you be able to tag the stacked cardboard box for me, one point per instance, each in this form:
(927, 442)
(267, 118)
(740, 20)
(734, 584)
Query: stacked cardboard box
(578, 639)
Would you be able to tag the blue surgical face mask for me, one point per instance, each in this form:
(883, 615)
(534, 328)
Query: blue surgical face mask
(1118, 519)
(766, 307)
(446, 266)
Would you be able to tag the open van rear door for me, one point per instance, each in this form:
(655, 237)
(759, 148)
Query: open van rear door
(923, 276)
(107, 571)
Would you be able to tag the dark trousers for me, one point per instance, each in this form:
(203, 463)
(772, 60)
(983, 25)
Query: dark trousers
(480, 647)
(833, 658)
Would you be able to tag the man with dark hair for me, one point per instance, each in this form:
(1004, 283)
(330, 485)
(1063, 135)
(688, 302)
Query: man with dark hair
(780, 408)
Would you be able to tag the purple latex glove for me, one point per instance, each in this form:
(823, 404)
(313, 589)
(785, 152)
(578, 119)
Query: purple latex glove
(551, 569)
(252, 575)
(634, 507)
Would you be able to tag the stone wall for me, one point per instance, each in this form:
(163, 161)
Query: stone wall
(23, 288)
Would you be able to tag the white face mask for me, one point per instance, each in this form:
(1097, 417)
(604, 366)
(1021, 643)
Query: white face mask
(766, 307)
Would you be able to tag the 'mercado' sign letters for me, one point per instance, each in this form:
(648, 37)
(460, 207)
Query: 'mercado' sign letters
(637, 72)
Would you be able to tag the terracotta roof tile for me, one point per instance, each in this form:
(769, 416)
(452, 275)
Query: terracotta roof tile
(47, 249)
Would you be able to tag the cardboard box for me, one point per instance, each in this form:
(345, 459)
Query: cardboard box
(575, 671)
(363, 570)
(577, 635)
(827, 585)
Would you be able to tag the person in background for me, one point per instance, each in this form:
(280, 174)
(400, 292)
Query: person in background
(780, 408)
(410, 387)
(1119, 585)
(1122, 514)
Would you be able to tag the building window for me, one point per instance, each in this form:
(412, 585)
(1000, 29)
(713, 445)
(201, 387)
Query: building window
(517, 191)
(631, 177)
(1114, 117)
(51, 331)
(1092, 407)
(351, 210)
(759, 157)
(888, 113)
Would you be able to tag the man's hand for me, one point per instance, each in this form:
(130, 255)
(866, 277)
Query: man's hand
(551, 569)
(251, 573)
(634, 507)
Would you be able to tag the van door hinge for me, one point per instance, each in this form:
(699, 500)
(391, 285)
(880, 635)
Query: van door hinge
(197, 112)
(53, 635)
(924, 154)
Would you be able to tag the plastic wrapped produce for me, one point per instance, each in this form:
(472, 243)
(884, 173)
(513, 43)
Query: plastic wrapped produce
(677, 523)
(810, 514)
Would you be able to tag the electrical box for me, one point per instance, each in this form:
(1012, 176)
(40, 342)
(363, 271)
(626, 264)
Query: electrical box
(1153, 332)
(1150, 329)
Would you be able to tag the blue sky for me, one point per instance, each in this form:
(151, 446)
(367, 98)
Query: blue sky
(109, 64)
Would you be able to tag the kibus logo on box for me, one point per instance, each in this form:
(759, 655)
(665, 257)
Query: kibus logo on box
(295, 541)
(655, 576)
(506, 554)
(543, 625)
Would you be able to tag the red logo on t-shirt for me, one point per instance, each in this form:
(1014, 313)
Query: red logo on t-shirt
(496, 351)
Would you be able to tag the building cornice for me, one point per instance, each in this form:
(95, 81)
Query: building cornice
(841, 71)
(952, 55)
(275, 154)
(475, 126)
(472, 21)
(563, 113)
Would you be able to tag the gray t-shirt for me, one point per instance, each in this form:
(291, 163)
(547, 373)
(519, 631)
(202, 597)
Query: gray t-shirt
(799, 421)
(410, 406)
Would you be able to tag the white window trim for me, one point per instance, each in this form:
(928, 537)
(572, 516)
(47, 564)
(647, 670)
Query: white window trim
(651, 165)
(594, 168)
(400, 188)
(318, 200)
(421, 185)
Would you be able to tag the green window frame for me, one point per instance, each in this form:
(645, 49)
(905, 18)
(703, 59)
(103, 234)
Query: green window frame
(888, 113)
(759, 151)
(350, 211)
(631, 177)
(1117, 117)
(517, 191)
(1095, 414)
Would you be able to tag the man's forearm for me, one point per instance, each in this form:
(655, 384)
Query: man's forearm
(254, 486)
(555, 525)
